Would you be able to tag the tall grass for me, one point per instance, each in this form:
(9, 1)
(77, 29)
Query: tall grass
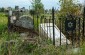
(12, 44)
(3, 22)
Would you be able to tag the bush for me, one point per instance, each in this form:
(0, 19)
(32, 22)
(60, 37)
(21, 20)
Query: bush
(83, 49)
(46, 50)
(3, 22)
(11, 44)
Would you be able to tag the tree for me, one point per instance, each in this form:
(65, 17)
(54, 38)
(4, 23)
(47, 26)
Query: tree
(32, 12)
(68, 9)
(69, 6)
(37, 6)
(2, 9)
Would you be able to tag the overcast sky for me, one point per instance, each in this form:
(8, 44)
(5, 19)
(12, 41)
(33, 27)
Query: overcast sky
(48, 4)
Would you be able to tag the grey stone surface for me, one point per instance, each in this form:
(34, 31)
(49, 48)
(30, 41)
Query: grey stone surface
(25, 22)
(46, 29)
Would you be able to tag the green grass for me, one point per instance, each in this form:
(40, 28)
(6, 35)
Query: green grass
(16, 47)
(36, 23)
(3, 22)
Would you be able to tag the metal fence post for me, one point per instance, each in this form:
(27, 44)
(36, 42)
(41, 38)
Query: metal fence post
(83, 22)
(9, 27)
(9, 17)
(79, 33)
(53, 26)
(60, 31)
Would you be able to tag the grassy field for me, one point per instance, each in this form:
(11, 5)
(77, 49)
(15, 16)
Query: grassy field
(3, 22)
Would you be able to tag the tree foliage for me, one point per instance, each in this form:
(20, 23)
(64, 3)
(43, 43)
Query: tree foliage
(68, 9)
(2, 9)
(69, 6)
(37, 6)
(32, 12)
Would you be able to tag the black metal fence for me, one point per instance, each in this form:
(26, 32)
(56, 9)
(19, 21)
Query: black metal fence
(73, 27)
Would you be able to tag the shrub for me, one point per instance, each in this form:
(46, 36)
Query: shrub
(46, 50)
(13, 45)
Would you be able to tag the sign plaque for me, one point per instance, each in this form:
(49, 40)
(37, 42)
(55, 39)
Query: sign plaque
(70, 25)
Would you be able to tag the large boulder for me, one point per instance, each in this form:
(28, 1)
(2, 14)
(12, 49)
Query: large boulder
(25, 22)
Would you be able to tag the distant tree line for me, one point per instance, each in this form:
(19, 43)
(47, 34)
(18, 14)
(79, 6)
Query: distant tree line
(2, 9)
